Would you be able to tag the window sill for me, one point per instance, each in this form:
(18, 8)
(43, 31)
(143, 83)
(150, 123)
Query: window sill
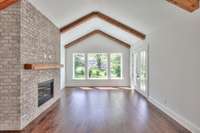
(78, 79)
(98, 79)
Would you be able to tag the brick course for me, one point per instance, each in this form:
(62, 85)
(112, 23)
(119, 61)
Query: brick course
(10, 67)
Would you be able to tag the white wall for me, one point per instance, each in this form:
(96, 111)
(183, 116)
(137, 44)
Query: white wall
(99, 44)
(87, 27)
(174, 68)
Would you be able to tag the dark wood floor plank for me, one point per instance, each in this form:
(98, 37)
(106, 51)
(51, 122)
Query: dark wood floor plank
(105, 111)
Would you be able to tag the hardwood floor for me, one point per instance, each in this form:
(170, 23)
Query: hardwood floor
(104, 111)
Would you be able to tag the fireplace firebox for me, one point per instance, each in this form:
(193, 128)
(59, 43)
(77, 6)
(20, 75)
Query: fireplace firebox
(45, 91)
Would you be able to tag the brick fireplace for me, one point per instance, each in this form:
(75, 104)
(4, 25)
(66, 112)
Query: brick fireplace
(26, 36)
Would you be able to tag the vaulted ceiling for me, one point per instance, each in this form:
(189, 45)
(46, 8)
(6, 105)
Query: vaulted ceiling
(105, 18)
(96, 23)
(99, 32)
(143, 15)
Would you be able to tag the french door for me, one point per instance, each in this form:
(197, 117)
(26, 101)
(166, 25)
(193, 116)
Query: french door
(140, 71)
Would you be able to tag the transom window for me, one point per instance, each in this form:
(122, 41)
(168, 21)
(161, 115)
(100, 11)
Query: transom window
(97, 66)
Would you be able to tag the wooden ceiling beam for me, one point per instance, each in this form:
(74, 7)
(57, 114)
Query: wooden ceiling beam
(189, 5)
(5, 3)
(105, 18)
(94, 33)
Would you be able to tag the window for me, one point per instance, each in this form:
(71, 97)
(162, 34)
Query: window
(116, 66)
(97, 66)
(78, 66)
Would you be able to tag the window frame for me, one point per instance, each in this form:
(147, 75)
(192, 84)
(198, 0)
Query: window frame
(121, 66)
(108, 66)
(73, 67)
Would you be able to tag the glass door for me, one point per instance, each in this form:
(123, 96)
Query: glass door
(141, 71)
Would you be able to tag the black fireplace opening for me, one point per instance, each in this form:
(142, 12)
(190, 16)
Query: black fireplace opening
(45, 91)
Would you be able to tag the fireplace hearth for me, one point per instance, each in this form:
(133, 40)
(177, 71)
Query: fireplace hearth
(45, 91)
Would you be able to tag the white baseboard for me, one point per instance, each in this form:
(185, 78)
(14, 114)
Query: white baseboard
(140, 92)
(181, 120)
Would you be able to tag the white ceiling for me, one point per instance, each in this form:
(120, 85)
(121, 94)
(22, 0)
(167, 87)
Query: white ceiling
(97, 24)
(143, 15)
